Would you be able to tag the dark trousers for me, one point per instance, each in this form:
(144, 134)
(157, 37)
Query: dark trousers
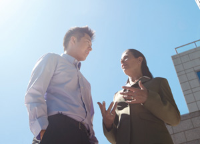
(64, 130)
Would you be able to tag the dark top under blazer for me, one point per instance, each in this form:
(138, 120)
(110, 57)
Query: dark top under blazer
(145, 124)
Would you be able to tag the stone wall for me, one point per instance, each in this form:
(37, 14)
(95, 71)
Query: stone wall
(188, 131)
(187, 64)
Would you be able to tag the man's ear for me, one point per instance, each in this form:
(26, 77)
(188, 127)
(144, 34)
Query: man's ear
(73, 40)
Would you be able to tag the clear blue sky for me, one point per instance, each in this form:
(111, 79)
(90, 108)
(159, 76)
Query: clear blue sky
(29, 29)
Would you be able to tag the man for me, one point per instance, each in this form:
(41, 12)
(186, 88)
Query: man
(58, 97)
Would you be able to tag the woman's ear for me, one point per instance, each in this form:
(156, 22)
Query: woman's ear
(140, 59)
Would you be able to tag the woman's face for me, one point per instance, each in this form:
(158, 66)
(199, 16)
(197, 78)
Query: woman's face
(130, 64)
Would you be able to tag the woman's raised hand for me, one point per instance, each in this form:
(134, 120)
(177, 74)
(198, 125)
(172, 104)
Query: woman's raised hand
(109, 114)
(135, 95)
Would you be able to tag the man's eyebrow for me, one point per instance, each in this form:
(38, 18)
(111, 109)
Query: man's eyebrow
(88, 39)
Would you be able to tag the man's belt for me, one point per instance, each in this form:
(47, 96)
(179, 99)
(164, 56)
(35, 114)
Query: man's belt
(79, 125)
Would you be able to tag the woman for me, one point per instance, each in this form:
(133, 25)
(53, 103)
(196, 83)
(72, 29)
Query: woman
(140, 111)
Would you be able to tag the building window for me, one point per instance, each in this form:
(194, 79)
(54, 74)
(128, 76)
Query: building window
(198, 73)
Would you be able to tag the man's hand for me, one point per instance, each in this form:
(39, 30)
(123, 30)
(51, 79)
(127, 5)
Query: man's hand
(41, 134)
(135, 95)
(108, 115)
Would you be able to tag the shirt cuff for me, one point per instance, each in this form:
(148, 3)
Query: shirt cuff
(38, 125)
(38, 137)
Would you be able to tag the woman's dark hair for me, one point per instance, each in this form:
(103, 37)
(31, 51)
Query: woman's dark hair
(144, 67)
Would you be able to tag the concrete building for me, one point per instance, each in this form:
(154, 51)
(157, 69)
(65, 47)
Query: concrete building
(187, 65)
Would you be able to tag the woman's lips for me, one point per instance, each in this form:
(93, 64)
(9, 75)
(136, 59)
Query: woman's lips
(123, 65)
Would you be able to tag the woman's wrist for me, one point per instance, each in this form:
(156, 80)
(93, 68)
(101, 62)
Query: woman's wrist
(108, 125)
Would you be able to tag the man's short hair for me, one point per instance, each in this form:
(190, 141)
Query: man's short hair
(77, 32)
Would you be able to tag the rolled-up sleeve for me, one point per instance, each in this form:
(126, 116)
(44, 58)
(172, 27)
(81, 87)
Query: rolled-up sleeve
(34, 97)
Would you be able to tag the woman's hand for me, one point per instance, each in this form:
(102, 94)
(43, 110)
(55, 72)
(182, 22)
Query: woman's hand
(135, 95)
(108, 115)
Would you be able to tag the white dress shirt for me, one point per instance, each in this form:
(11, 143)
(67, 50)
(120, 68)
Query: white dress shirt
(57, 86)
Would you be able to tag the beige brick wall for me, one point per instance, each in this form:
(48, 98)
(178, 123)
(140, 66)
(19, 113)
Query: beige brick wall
(187, 64)
(188, 131)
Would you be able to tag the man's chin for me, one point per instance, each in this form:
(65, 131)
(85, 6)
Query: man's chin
(83, 59)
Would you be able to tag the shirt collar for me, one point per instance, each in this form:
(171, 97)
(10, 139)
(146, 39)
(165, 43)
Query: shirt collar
(143, 79)
(72, 60)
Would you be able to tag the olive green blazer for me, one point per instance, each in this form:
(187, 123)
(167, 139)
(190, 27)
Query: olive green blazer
(145, 123)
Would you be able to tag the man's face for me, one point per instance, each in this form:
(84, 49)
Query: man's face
(82, 47)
